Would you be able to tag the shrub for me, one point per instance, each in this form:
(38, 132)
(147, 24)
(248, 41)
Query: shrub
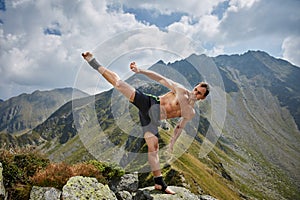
(19, 192)
(54, 175)
(88, 170)
(18, 165)
(108, 170)
(57, 174)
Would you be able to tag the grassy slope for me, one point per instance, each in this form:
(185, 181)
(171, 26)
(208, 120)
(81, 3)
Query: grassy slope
(202, 172)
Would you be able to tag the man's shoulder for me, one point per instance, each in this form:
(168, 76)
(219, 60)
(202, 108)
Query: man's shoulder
(180, 88)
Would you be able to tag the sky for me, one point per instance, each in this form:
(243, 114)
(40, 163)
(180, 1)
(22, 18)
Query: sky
(41, 41)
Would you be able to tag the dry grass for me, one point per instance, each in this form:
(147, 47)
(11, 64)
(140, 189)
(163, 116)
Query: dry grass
(57, 174)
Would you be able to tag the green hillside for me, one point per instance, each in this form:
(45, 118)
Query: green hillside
(255, 156)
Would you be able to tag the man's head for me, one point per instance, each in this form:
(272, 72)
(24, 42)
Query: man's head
(201, 90)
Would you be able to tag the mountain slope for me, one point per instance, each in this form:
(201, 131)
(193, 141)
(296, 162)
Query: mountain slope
(256, 155)
(276, 75)
(263, 122)
(22, 113)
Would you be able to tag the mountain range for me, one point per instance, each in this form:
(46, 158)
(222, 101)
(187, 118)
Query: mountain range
(23, 113)
(244, 143)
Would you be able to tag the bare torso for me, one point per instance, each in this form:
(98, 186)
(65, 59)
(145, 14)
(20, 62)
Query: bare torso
(177, 104)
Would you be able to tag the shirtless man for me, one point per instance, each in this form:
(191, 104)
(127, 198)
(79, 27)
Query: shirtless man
(178, 102)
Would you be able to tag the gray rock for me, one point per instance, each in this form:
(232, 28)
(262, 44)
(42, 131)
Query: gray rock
(128, 182)
(149, 193)
(124, 195)
(143, 195)
(2, 189)
(79, 187)
(207, 197)
(44, 193)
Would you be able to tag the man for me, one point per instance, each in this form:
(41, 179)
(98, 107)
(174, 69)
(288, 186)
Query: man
(178, 102)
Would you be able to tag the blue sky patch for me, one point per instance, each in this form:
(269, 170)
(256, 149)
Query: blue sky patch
(208, 45)
(53, 29)
(220, 9)
(2, 5)
(154, 17)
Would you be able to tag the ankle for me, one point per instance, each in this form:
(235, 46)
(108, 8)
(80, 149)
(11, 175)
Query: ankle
(160, 182)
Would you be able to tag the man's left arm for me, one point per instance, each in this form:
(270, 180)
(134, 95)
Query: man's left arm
(172, 85)
(177, 132)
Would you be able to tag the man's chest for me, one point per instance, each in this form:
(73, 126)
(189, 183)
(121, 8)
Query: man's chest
(173, 102)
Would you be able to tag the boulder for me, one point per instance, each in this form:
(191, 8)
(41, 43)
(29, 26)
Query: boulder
(128, 182)
(79, 187)
(149, 193)
(44, 193)
(207, 197)
(124, 195)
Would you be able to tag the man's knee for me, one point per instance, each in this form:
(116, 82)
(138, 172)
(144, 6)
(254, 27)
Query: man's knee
(119, 84)
(152, 142)
(153, 148)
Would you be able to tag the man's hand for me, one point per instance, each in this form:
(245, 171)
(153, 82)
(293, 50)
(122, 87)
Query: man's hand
(87, 56)
(134, 68)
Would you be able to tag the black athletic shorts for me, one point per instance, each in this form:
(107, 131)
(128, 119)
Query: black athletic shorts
(149, 111)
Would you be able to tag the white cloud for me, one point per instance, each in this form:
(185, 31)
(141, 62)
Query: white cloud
(31, 59)
(236, 5)
(209, 25)
(291, 49)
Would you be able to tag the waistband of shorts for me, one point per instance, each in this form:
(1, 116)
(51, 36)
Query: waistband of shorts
(154, 97)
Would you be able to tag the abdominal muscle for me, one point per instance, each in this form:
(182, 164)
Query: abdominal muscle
(169, 106)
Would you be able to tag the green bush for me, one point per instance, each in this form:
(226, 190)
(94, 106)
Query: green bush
(108, 170)
(18, 166)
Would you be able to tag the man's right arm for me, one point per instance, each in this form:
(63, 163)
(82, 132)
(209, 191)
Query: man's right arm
(177, 132)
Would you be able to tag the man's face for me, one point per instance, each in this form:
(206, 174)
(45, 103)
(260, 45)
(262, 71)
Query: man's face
(199, 92)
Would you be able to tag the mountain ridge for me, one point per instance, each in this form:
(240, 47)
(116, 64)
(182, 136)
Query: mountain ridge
(22, 113)
(257, 153)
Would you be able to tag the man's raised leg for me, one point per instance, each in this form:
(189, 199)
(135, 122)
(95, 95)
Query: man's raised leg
(127, 90)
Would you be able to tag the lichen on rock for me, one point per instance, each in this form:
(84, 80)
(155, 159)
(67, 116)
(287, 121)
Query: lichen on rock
(79, 187)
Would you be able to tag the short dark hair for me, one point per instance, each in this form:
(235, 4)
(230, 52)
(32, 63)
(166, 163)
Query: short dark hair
(205, 85)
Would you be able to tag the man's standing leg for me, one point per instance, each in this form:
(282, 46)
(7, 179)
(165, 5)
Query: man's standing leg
(153, 159)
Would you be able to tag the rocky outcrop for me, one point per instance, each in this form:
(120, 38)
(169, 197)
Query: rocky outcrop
(126, 188)
(150, 193)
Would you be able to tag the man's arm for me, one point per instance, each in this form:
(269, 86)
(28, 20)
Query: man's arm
(155, 76)
(177, 132)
